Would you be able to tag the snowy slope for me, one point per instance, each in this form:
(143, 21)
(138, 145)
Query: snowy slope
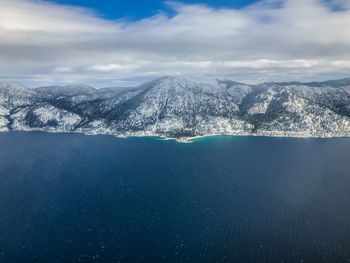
(182, 107)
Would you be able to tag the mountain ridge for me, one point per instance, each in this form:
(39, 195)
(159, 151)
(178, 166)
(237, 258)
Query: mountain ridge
(182, 108)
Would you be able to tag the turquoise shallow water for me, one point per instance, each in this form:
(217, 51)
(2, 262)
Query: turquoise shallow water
(75, 198)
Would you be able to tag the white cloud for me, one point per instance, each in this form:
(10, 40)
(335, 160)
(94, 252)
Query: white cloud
(62, 69)
(278, 39)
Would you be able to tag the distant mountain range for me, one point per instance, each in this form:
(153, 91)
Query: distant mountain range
(182, 108)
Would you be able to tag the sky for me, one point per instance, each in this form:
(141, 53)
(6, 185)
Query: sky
(124, 43)
(133, 10)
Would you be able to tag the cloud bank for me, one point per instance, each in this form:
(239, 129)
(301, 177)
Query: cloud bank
(43, 43)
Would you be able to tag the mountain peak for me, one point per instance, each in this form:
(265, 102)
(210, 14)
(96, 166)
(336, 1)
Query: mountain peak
(15, 88)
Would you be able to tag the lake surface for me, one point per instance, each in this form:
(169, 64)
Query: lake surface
(74, 198)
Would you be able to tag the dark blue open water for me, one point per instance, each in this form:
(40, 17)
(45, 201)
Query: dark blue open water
(73, 198)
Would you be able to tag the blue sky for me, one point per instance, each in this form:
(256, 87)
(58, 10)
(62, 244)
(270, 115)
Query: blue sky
(120, 42)
(138, 9)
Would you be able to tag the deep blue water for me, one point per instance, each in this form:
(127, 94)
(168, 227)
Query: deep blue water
(73, 198)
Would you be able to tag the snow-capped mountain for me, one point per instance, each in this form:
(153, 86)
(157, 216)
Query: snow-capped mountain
(182, 107)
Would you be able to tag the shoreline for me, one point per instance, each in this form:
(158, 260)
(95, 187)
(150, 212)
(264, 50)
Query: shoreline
(188, 140)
